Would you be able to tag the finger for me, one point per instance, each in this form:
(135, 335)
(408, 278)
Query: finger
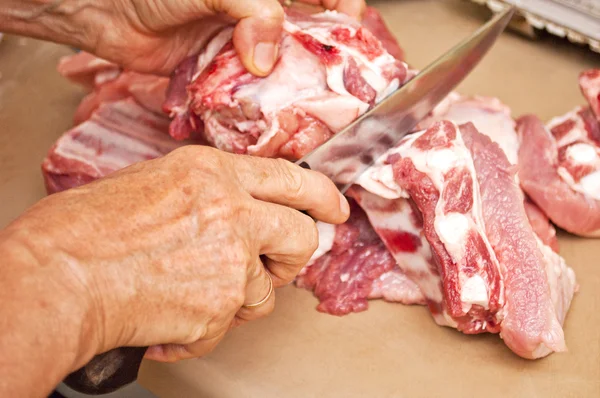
(286, 237)
(258, 288)
(178, 352)
(354, 8)
(282, 182)
(257, 34)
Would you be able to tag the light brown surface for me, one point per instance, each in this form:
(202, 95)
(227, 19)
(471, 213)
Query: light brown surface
(390, 350)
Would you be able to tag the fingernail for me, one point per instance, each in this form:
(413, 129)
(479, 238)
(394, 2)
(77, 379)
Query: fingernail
(264, 56)
(344, 206)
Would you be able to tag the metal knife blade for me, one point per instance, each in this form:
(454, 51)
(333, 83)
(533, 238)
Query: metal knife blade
(351, 151)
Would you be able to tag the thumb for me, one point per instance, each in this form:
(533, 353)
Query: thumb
(257, 34)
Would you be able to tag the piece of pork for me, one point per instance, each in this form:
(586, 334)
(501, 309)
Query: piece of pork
(559, 170)
(560, 164)
(330, 70)
(352, 266)
(117, 135)
(87, 70)
(108, 83)
(493, 118)
(495, 271)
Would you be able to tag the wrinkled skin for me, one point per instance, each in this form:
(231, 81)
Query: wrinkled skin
(169, 250)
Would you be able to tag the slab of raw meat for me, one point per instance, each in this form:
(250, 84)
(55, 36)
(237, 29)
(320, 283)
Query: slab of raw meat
(496, 274)
(108, 83)
(493, 118)
(373, 21)
(87, 70)
(560, 163)
(545, 173)
(330, 71)
(353, 266)
(117, 135)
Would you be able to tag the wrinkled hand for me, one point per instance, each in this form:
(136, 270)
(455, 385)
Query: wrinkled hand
(156, 35)
(165, 253)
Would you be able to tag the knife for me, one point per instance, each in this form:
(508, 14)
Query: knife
(343, 159)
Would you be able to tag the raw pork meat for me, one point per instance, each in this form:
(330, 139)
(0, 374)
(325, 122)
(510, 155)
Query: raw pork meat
(117, 135)
(354, 266)
(493, 118)
(560, 163)
(330, 71)
(109, 83)
(495, 275)
(472, 281)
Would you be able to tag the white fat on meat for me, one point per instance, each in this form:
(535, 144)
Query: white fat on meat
(453, 228)
(489, 115)
(580, 151)
(326, 239)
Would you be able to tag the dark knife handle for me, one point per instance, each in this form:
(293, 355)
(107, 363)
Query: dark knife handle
(304, 165)
(108, 372)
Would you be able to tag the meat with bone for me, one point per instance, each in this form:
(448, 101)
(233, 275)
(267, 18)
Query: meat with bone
(355, 266)
(493, 118)
(117, 135)
(553, 172)
(495, 272)
(330, 70)
(560, 163)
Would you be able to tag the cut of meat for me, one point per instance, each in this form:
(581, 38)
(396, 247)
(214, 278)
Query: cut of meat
(489, 115)
(541, 178)
(87, 70)
(538, 285)
(117, 135)
(109, 83)
(149, 91)
(330, 71)
(560, 164)
(373, 21)
(493, 118)
(353, 267)
(541, 225)
(494, 273)
(438, 173)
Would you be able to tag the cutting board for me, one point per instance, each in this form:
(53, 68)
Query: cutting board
(390, 350)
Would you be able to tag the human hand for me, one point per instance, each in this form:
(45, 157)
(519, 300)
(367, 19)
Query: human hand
(167, 252)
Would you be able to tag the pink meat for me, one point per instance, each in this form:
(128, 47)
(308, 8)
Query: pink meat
(492, 118)
(540, 161)
(447, 197)
(538, 284)
(356, 267)
(373, 21)
(117, 135)
(330, 71)
(541, 225)
(589, 83)
(87, 70)
(456, 177)
(109, 83)
(148, 90)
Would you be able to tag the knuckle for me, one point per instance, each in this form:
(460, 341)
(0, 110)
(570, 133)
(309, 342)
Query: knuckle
(312, 237)
(292, 178)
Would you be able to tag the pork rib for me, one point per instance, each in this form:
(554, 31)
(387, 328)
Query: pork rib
(117, 135)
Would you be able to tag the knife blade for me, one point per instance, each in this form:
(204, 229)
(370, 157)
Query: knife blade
(343, 159)
(354, 149)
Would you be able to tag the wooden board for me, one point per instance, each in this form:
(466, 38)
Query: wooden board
(390, 350)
